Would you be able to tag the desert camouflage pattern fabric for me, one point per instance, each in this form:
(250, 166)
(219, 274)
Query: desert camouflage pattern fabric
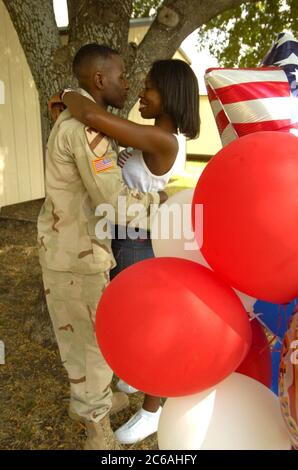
(72, 300)
(81, 173)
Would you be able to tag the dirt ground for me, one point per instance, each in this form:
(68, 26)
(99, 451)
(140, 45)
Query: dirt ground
(33, 384)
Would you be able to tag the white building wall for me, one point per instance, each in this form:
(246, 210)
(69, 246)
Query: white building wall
(21, 161)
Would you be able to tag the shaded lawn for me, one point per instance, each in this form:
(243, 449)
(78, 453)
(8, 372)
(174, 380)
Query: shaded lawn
(33, 384)
(188, 179)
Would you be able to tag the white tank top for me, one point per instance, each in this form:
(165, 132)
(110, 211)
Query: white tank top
(137, 175)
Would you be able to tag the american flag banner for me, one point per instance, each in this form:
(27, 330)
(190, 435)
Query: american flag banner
(257, 99)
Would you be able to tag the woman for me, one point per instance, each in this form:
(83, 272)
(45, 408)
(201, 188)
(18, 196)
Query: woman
(170, 97)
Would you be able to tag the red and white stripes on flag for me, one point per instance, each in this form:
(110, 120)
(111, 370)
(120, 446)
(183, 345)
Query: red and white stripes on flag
(123, 156)
(251, 100)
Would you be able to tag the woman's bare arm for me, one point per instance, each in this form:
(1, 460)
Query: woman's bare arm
(150, 139)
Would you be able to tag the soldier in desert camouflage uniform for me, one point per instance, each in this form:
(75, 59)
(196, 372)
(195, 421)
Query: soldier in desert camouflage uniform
(81, 173)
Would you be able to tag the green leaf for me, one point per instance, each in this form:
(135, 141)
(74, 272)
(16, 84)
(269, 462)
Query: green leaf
(242, 36)
(145, 8)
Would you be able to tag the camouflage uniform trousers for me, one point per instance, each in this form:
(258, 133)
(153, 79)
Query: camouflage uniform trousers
(72, 300)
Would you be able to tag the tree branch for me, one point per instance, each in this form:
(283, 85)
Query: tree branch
(175, 20)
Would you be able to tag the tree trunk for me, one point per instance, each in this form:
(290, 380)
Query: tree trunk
(101, 21)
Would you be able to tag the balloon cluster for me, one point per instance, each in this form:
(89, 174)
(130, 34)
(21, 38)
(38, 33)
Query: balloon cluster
(245, 101)
(177, 325)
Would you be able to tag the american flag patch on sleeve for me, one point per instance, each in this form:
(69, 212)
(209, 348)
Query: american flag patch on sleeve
(102, 164)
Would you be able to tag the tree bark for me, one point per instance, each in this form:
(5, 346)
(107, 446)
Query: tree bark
(36, 27)
(101, 21)
(106, 22)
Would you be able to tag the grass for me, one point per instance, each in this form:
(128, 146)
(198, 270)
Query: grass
(186, 180)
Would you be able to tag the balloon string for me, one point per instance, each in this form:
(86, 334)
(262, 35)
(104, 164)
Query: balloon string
(255, 316)
(284, 310)
(287, 321)
(294, 311)
(279, 319)
(268, 344)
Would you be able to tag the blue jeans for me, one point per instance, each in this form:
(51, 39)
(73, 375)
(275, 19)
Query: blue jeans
(128, 252)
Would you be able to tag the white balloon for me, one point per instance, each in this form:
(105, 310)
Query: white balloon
(165, 227)
(171, 231)
(238, 414)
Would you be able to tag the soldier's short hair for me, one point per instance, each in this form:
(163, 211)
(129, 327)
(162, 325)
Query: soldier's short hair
(88, 53)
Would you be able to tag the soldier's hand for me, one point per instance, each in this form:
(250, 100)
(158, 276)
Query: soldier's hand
(163, 196)
(55, 106)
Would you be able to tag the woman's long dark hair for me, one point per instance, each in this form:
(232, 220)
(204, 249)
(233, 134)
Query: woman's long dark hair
(179, 91)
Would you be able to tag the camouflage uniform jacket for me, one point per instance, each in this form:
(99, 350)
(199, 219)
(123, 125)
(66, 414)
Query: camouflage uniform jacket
(81, 173)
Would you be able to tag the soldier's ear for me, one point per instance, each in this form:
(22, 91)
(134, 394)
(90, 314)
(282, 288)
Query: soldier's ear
(98, 80)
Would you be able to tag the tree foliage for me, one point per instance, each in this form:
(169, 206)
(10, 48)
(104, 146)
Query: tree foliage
(145, 8)
(243, 35)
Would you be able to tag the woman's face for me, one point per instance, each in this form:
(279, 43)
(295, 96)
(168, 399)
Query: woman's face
(150, 100)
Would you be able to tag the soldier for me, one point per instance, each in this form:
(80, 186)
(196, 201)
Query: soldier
(81, 173)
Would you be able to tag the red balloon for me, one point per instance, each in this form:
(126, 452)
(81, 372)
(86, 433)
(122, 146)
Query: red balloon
(257, 364)
(169, 327)
(249, 192)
